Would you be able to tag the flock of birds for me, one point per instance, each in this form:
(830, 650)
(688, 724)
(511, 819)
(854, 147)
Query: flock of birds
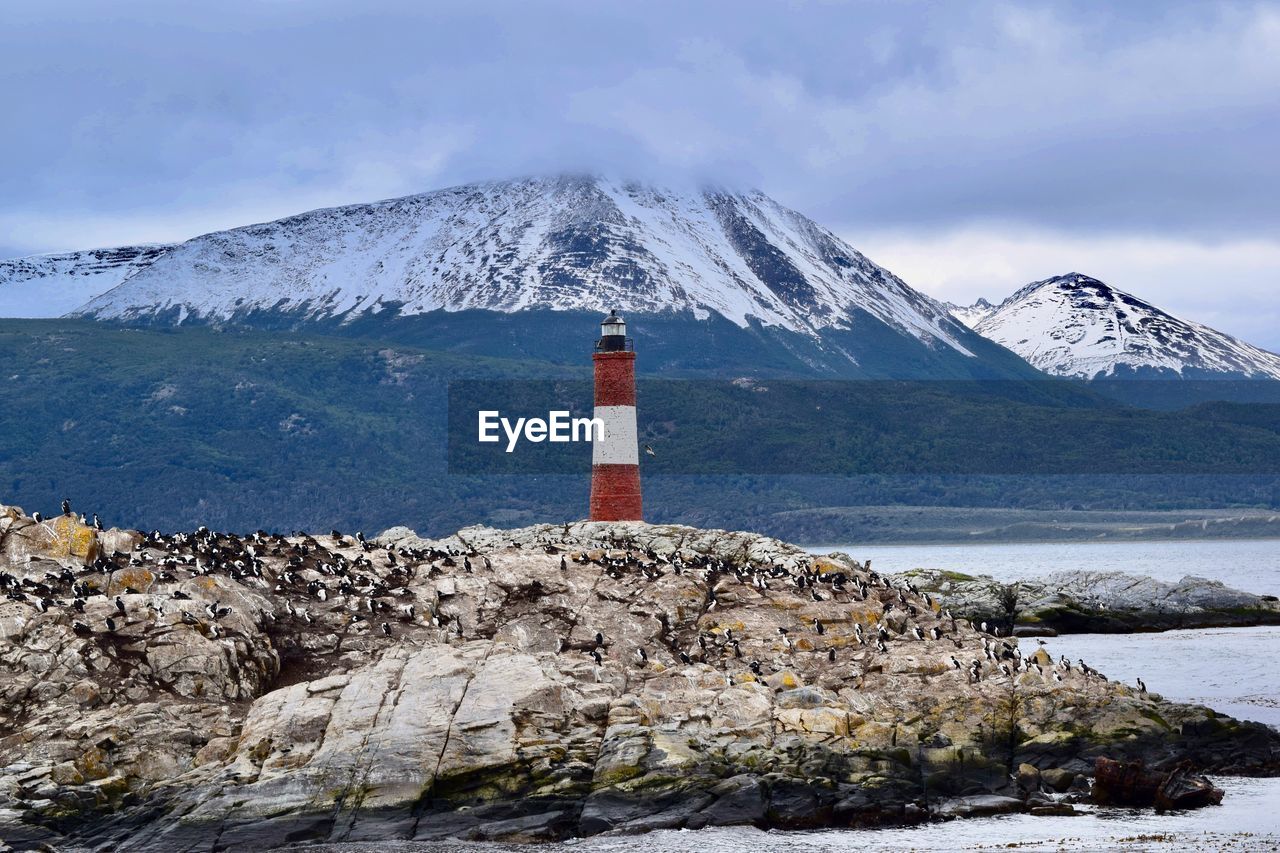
(924, 620)
(370, 587)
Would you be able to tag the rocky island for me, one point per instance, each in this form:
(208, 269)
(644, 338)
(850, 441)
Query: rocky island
(1083, 601)
(204, 691)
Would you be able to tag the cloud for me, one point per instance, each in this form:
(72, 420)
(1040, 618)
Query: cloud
(1084, 124)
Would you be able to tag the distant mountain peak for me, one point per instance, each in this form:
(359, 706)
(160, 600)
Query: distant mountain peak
(1077, 325)
(971, 314)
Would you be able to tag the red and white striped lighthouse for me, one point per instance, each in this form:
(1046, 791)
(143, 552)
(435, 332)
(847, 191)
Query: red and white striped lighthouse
(615, 459)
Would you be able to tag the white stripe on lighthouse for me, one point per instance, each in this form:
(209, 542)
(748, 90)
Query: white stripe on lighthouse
(619, 444)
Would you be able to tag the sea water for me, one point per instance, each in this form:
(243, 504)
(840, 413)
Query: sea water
(1252, 565)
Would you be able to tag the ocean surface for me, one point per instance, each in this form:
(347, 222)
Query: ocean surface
(1252, 565)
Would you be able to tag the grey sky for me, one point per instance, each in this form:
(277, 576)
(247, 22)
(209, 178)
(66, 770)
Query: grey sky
(969, 147)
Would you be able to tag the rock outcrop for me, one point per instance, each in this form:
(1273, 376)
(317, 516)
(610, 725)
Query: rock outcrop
(203, 691)
(1100, 602)
(1119, 783)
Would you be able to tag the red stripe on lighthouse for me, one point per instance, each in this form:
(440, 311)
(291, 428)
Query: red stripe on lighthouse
(615, 378)
(615, 469)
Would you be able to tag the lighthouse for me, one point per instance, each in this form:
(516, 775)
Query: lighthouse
(615, 458)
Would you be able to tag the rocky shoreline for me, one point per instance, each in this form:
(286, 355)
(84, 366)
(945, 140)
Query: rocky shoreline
(203, 691)
(1077, 602)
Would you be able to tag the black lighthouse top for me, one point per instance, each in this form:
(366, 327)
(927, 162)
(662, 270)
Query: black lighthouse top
(613, 334)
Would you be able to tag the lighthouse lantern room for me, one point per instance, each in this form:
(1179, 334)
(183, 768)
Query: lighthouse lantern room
(615, 459)
(613, 334)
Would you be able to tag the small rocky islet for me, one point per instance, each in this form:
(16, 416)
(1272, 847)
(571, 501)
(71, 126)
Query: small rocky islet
(205, 691)
(1080, 601)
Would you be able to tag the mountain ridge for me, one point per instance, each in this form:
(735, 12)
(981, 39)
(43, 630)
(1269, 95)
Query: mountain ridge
(509, 245)
(1077, 326)
(718, 280)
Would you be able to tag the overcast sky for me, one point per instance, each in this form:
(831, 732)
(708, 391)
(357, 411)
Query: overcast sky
(968, 147)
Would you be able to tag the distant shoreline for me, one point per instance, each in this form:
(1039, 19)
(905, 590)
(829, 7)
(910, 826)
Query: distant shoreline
(955, 543)
(941, 525)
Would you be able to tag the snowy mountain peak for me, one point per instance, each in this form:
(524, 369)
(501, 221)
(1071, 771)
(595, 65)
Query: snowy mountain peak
(971, 315)
(567, 242)
(1076, 325)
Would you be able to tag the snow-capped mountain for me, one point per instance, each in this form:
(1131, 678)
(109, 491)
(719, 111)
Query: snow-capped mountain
(723, 280)
(52, 285)
(563, 243)
(971, 315)
(1074, 325)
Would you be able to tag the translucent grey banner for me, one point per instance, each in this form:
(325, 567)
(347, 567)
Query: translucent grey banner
(774, 427)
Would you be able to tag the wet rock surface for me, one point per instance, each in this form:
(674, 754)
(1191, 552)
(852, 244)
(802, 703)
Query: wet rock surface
(1120, 783)
(202, 691)
(1100, 602)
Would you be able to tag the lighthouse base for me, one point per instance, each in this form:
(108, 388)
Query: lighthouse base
(615, 493)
